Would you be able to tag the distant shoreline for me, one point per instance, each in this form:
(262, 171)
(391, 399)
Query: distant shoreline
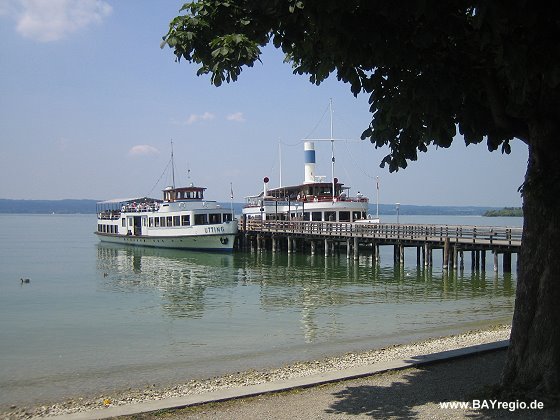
(87, 206)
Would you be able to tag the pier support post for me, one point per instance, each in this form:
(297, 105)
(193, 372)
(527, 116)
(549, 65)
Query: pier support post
(312, 247)
(473, 260)
(426, 255)
(455, 257)
(483, 260)
(348, 248)
(258, 242)
(495, 260)
(356, 252)
(326, 248)
(418, 256)
(401, 254)
(446, 244)
(289, 245)
(507, 262)
(461, 260)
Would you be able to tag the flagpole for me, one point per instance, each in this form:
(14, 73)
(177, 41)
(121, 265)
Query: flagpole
(377, 196)
(231, 198)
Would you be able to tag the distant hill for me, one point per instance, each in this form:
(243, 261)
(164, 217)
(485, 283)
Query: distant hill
(88, 206)
(409, 209)
(47, 206)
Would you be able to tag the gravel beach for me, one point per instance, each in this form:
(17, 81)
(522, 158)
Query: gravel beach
(240, 379)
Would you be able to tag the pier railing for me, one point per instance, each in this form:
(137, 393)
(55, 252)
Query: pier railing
(468, 235)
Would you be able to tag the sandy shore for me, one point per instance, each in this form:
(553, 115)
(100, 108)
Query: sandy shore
(300, 369)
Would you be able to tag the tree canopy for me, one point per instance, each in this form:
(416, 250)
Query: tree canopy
(486, 67)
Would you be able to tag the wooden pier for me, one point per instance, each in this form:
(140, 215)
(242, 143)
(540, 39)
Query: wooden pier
(330, 237)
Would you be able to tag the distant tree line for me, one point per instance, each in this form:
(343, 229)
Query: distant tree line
(505, 212)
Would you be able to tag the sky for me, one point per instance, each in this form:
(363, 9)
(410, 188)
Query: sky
(90, 103)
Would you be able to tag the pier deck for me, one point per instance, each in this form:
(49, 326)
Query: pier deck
(453, 240)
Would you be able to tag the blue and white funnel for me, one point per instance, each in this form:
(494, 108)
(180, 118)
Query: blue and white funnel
(309, 159)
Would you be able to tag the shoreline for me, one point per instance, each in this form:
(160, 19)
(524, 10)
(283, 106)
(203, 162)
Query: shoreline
(253, 377)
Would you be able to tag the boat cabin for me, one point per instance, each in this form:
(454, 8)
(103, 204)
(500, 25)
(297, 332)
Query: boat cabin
(190, 193)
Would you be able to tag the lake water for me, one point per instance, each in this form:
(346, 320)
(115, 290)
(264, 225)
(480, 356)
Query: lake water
(96, 318)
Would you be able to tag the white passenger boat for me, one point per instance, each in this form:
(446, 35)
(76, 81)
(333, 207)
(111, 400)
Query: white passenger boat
(183, 219)
(313, 200)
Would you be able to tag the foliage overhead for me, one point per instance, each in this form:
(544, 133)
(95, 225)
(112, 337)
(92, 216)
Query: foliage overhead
(489, 68)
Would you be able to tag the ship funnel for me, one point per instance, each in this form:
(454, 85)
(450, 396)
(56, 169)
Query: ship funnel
(265, 187)
(309, 158)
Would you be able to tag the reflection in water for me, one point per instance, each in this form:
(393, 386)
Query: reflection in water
(180, 277)
(319, 291)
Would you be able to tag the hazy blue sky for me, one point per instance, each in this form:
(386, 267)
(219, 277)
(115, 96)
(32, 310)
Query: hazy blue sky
(89, 103)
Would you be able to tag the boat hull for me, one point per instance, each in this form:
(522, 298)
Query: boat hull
(223, 242)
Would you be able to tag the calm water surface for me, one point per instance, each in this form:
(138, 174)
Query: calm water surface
(96, 318)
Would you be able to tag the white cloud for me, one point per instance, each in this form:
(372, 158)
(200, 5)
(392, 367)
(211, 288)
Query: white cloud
(193, 118)
(52, 20)
(143, 150)
(237, 116)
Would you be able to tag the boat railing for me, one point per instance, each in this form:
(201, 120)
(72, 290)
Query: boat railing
(308, 199)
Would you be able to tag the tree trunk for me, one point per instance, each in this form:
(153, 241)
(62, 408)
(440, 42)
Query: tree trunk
(532, 369)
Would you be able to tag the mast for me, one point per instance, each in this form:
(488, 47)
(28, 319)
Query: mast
(332, 148)
(172, 165)
(280, 158)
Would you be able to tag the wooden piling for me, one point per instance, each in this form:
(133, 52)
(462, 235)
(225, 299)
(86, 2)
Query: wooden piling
(507, 262)
(446, 245)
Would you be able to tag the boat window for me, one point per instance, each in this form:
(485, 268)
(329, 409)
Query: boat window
(185, 220)
(151, 222)
(215, 218)
(330, 216)
(162, 221)
(176, 220)
(123, 222)
(156, 220)
(357, 215)
(306, 216)
(200, 219)
(316, 216)
(169, 221)
(227, 217)
(344, 216)
(143, 221)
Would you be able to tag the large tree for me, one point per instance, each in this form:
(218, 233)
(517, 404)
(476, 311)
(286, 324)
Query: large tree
(490, 69)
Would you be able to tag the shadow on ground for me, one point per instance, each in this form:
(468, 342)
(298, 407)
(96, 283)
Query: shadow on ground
(418, 393)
